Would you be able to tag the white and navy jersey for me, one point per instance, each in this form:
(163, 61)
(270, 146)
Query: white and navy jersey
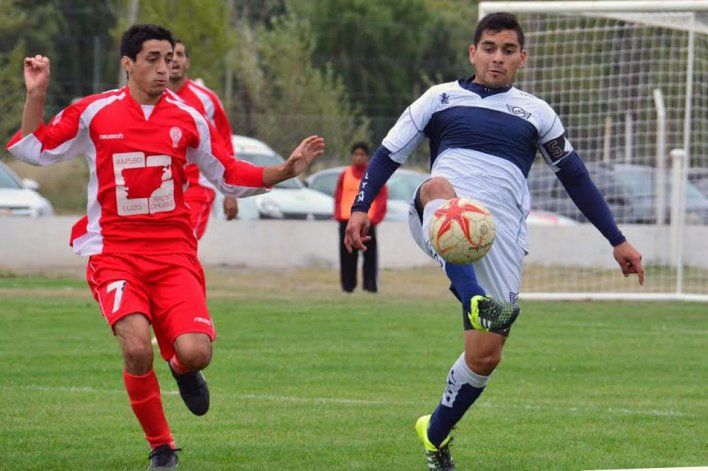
(483, 141)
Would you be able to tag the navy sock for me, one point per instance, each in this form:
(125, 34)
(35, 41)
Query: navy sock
(462, 389)
(464, 283)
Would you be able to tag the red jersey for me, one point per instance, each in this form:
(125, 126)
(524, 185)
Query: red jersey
(209, 104)
(136, 169)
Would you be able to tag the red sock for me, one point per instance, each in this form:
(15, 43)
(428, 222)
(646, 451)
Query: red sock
(177, 365)
(145, 399)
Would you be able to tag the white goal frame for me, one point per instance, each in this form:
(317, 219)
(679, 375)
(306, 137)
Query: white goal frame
(623, 10)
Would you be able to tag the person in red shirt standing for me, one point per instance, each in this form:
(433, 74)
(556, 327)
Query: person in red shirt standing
(200, 194)
(344, 194)
(142, 267)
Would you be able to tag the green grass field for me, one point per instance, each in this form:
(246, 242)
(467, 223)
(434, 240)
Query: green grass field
(305, 378)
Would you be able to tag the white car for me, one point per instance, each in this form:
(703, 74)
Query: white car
(401, 187)
(286, 200)
(19, 197)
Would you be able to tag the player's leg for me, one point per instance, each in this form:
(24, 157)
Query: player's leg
(347, 262)
(125, 305)
(500, 273)
(371, 262)
(182, 325)
(133, 334)
(465, 382)
(192, 354)
(432, 194)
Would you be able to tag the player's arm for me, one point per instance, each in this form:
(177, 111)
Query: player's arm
(398, 144)
(238, 178)
(37, 143)
(571, 171)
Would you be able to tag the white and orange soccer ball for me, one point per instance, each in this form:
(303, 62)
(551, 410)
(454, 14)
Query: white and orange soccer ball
(462, 231)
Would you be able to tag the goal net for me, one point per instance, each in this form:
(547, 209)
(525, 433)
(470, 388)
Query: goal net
(629, 79)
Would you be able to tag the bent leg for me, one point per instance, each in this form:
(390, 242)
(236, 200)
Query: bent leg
(192, 353)
(430, 196)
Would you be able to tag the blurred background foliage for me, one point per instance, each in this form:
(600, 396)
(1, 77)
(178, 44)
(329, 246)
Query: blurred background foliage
(284, 69)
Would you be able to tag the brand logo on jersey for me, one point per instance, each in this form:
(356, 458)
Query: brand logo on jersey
(202, 320)
(175, 135)
(444, 99)
(106, 137)
(518, 111)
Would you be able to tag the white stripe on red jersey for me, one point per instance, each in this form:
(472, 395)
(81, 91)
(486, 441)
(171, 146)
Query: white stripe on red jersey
(206, 101)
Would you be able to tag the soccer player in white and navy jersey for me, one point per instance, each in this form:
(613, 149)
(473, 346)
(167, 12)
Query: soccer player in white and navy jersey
(484, 134)
(200, 194)
(142, 266)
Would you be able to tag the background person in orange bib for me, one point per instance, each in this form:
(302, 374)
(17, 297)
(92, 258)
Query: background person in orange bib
(346, 191)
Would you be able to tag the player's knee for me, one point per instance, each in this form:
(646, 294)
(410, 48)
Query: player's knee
(138, 356)
(436, 188)
(484, 363)
(195, 356)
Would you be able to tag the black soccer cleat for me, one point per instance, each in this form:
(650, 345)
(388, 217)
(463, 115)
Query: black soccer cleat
(194, 391)
(163, 457)
(438, 457)
(441, 459)
(489, 315)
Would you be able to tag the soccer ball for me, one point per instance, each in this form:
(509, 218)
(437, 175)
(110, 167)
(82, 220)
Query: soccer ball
(462, 231)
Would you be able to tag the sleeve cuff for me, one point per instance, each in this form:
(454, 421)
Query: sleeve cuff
(38, 133)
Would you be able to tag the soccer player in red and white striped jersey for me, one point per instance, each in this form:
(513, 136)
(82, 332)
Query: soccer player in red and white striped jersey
(142, 266)
(200, 194)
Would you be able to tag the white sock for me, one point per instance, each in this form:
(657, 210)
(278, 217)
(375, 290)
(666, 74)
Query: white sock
(428, 211)
(461, 374)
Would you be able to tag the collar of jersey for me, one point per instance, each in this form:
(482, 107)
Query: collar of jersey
(136, 105)
(480, 89)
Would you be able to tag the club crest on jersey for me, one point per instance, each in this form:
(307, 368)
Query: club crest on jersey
(518, 111)
(443, 101)
(175, 136)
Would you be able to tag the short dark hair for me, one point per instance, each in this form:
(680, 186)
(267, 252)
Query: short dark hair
(186, 49)
(131, 43)
(496, 22)
(361, 145)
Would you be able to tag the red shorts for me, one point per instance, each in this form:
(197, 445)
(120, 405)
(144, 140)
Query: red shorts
(199, 200)
(168, 289)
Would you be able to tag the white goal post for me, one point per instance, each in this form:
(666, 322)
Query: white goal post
(629, 80)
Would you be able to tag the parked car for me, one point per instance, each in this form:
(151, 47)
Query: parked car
(401, 187)
(699, 177)
(20, 197)
(289, 199)
(628, 190)
(547, 218)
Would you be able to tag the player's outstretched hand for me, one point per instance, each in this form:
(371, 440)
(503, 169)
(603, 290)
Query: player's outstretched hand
(304, 154)
(36, 74)
(299, 160)
(630, 260)
(357, 231)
